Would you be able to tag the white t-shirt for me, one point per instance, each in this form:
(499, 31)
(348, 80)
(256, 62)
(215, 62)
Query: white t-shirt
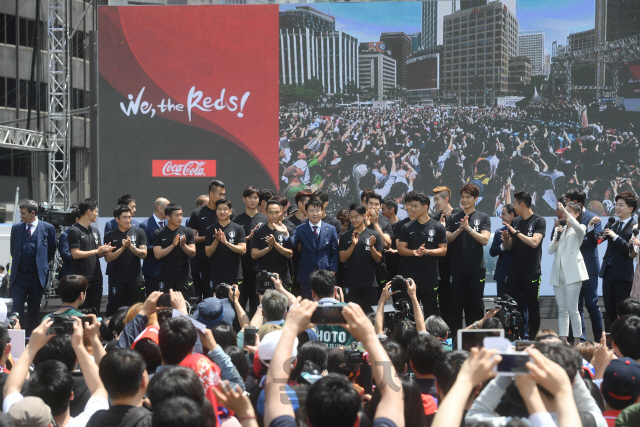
(93, 405)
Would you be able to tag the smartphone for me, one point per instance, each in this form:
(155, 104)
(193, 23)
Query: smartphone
(522, 344)
(250, 335)
(609, 340)
(84, 319)
(328, 315)
(513, 364)
(164, 301)
(467, 339)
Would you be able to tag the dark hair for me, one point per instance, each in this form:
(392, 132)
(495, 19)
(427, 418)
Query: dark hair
(116, 323)
(86, 205)
(52, 382)
(391, 204)
(404, 333)
(150, 352)
(172, 207)
(125, 199)
(332, 401)
(239, 360)
(164, 314)
(523, 197)
(365, 194)
(321, 195)
(313, 202)
(374, 196)
(491, 323)
(250, 191)
(412, 400)
(265, 195)
(564, 356)
(4, 339)
(71, 286)
(225, 336)
(57, 348)
(446, 368)
(281, 200)
(510, 209)
(423, 351)
(121, 372)
(200, 201)
(397, 355)
(359, 208)
(408, 198)
(30, 205)
(172, 382)
(575, 207)
(177, 337)
(223, 202)
(629, 198)
(178, 412)
(313, 351)
(367, 181)
(471, 189)
(323, 283)
(437, 327)
(625, 333)
(629, 306)
(119, 210)
(302, 194)
(577, 195)
(215, 184)
(421, 198)
(273, 202)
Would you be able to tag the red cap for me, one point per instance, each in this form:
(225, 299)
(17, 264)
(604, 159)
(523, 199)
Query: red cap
(150, 332)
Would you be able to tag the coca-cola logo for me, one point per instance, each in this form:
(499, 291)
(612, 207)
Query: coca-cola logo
(183, 168)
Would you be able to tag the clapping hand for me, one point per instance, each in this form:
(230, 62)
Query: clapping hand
(183, 240)
(464, 223)
(354, 238)
(281, 227)
(420, 252)
(372, 241)
(126, 243)
(374, 216)
(176, 240)
(271, 241)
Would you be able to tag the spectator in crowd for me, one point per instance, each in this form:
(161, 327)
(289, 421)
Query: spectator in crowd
(73, 292)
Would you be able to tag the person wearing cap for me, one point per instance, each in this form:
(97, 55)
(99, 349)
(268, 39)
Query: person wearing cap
(620, 387)
(215, 311)
(31, 412)
(337, 363)
(49, 387)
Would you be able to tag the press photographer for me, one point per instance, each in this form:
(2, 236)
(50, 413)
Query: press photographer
(386, 322)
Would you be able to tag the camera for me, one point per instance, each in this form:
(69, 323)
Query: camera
(12, 319)
(353, 356)
(509, 316)
(398, 284)
(264, 280)
(55, 217)
(62, 324)
(222, 291)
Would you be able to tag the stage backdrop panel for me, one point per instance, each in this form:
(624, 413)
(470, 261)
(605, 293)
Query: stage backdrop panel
(186, 95)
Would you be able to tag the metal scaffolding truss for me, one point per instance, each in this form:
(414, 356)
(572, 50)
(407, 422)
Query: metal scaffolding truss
(22, 139)
(615, 52)
(58, 103)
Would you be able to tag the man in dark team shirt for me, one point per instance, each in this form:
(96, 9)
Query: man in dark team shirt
(284, 202)
(523, 238)
(225, 244)
(173, 245)
(267, 247)
(86, 251)
(250, 221)
(264, 196)
(397, 228)
(201, 219)
(361, 250)
(422, 241)
(468, 232)
(391, 257)
(130, 243)
(378, 222)
(442, 202)
(298, 218)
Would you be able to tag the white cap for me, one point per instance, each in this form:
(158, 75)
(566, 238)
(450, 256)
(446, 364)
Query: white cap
(268, 347)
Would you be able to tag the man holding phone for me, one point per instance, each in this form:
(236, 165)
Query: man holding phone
(173, 245)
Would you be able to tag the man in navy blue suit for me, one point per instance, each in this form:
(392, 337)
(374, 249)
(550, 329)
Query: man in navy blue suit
(33, 246)
(130, 202)
(589, 290)
(151, 265)
(319, 243)
(617, 267)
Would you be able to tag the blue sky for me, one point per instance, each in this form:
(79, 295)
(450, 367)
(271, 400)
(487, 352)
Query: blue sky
(557, 18)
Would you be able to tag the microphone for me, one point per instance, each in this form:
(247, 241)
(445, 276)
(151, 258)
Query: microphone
(600, 236)
(563, 222)
(636, 231)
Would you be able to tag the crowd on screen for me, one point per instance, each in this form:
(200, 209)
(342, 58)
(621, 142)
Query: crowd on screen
(340, 300)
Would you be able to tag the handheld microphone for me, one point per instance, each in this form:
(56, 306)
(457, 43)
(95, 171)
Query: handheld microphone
(610, 221)
(636, 231)
(563, 222)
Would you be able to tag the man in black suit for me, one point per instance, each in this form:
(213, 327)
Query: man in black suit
(617, 267)
(151, 265)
